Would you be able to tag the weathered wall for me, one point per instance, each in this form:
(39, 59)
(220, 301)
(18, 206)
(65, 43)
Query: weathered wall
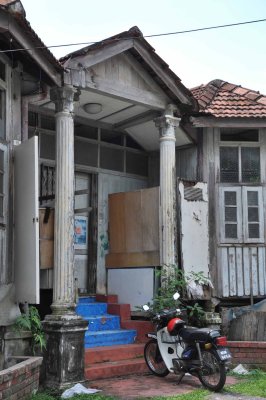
(194, 227)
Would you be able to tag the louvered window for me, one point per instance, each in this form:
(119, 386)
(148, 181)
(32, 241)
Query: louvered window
(241, 215)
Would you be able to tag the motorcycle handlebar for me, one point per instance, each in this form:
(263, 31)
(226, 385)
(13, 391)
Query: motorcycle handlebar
(165, 313)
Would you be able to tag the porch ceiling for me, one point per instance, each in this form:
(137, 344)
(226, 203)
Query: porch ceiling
(122, 115)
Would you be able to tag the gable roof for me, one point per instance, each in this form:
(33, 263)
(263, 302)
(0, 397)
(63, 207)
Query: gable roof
(24, 37)
(145, 54)
(222, 99)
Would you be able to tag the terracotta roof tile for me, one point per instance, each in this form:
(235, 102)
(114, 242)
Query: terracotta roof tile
(224, 100)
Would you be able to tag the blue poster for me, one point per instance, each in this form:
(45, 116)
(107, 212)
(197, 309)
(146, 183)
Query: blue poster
(81, 232)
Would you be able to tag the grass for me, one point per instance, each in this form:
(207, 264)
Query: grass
(254, 385)
(198, 394)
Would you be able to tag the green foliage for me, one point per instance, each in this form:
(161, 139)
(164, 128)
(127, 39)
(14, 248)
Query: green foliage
(173, 280)
(32, 322)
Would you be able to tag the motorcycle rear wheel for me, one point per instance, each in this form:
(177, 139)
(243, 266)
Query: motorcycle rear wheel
(154, 359)
(213, 374)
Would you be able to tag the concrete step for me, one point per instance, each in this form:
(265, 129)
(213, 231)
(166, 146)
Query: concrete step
(142, 328)
(91, 309)
(116, 368)
(104, 322)
(113, 353)
(109, 338)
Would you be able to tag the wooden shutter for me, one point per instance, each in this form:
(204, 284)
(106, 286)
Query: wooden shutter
(27, 222)
(253, 223)
(230, 215)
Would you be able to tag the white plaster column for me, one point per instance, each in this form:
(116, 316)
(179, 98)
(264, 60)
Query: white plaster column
(63, 283)
(168, 242)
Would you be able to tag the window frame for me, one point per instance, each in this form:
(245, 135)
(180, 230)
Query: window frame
(242, 214)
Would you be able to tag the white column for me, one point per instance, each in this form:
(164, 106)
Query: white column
(168, 242)
(63, 283)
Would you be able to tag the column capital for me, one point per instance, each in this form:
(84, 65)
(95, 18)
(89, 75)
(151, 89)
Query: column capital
(64, 98)
(167, 125)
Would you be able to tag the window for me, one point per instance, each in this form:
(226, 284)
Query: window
(240, 164)
(239, 155)
(241, 215)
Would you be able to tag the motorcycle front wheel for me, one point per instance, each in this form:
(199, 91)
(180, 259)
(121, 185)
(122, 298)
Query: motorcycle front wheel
(154, 359)
(212, 374)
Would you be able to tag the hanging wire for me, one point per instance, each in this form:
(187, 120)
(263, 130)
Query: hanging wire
(134, 37)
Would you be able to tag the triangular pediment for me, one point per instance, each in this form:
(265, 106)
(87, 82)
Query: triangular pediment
(126, 71)
(128, 60)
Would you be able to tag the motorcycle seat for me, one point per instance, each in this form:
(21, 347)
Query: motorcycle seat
(192, 334)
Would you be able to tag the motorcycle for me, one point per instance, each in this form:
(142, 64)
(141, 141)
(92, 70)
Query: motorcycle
(181, 349)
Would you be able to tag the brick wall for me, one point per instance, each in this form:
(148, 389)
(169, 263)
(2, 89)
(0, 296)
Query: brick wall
(20, 380)
(251, 354)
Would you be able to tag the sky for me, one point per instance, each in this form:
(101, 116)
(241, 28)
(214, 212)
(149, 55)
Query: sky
(235, 54)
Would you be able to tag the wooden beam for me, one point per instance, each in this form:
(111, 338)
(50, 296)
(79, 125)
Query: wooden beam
(126, 93)
(211, 122)
(161, 73)
(99, 55)
(9, 24)
(137, 120)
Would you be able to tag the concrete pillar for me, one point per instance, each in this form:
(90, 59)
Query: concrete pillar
(65, 329)
(63, 284)
(168, 243)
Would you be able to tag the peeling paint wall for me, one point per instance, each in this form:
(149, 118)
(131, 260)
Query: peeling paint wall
(193, 200)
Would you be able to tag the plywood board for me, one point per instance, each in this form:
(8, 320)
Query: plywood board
(46, 253)
(134, 228)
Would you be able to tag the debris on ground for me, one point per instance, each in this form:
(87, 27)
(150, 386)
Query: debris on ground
(240, 370)
(78, 389)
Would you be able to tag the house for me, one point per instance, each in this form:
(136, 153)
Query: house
(25, 76)
(97, 116)
(231, 127)
(116, 149)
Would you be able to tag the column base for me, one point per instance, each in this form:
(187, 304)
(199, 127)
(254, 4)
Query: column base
(64, 358)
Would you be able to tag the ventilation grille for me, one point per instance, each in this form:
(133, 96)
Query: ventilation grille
(193, 194)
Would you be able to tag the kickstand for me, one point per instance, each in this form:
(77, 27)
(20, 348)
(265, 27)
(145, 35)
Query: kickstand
(180, 377)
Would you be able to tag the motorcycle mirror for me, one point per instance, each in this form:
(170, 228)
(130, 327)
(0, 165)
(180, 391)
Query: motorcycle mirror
(145, 307)
(176, 296)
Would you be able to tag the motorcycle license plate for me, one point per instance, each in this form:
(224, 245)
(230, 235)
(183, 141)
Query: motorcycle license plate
(224, 354)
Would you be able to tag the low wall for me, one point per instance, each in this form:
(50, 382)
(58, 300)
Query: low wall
(251, 354)
(20, 380)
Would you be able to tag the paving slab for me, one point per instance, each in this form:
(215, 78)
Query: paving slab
(148, 385)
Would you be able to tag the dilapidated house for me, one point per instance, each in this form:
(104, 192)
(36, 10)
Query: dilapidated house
(231, 127)
(110, 145)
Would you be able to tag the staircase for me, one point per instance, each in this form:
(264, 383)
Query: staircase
(103, 328)
(110, 342)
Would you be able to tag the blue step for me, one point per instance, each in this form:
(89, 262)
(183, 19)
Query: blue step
(109, 338)
(87, 299)
(91, 309)
(105, 322)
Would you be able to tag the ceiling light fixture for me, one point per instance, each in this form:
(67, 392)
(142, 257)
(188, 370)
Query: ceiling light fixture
(93, 108)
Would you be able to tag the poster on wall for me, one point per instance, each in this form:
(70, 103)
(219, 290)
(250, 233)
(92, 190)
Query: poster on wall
(81, 232)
